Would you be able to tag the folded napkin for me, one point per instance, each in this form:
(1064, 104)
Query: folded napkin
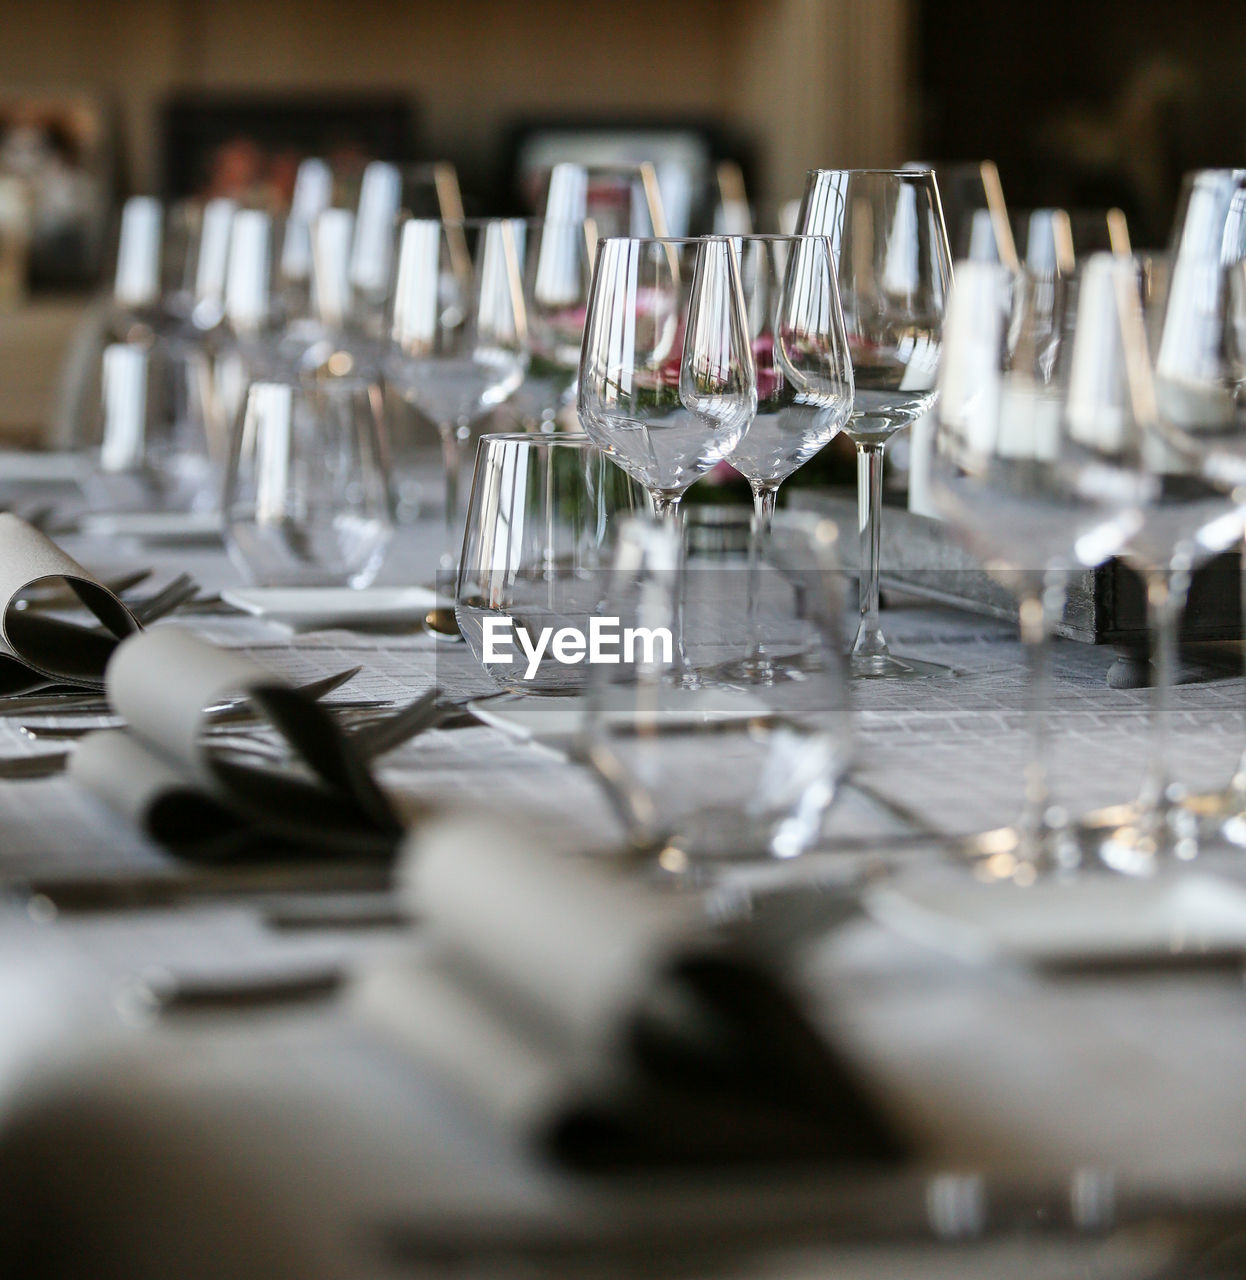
(162, 773)
(37, 649)
(601, 1021)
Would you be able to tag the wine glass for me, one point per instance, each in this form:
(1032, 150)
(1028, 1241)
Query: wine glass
(581, 203)
(1152, 404)
(1019, 480)
(1200, 367)
(536, 553)
(776, 751)
(457, 332)
(667, 379)
(558, 266)
(307, 498)
(886, 228)
(1226, 464)
(804, 374)
(313, 193)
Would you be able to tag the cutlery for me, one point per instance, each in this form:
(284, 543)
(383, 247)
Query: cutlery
(442, 624)
(45, 897)
(164, 992)
(80, 702)
(24, 768)
(335, 911)
(176, 594)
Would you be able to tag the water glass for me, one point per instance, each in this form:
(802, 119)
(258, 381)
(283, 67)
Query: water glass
(307, 486)
(728, 769)
(536, 554)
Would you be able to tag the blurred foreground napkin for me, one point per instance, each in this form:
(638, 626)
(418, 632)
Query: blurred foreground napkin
(162, 772)
(600, 1020)
(37, 649)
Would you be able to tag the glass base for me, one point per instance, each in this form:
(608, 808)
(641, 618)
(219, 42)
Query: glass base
(766, 670)
(1136, 839)
(886, 666)
(1021, 855)
(1219, 814)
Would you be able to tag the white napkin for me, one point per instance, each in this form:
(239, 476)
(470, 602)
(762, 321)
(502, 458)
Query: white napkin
(162, 774)
(35, 648)
(602, 1021)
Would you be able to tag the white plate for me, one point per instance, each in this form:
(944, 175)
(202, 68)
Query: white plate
(312, 608)
(1089, 920)
(155, 526)
(22, 467)
(555, 722)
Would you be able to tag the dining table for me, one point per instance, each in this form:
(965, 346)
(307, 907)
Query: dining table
(189, 1086)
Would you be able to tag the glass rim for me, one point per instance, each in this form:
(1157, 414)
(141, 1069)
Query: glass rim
(538, 437)
(716, 237)
(483, 220)
(662, 239)
(880, 173)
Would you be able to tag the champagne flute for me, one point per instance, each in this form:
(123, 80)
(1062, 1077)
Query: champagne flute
(667, 379)
(804, 379)
(457, 332)
(886, 229)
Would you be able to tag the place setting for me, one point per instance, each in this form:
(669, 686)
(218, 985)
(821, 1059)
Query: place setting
(716, 730)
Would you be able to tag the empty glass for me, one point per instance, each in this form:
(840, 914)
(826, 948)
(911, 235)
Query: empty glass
(458, 333)
(307, 486)
(894, 271)
(725, 771)
(667, 380)
(1026, 488)
(558, 265)
(804, 374)
(535, 553)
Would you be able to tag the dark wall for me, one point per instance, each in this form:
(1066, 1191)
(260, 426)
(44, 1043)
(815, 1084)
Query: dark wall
(1086, 103)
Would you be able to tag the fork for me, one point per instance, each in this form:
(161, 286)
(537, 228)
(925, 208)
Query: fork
(233, 712)
(177, 593)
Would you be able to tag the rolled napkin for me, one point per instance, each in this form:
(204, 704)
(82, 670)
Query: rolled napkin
(602, 1022)
(162, 773)
(37, 649)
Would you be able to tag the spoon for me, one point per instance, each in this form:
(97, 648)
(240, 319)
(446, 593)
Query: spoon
(442, 623)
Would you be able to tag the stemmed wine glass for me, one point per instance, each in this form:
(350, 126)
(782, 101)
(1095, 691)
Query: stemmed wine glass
(1197, 336)
(1226, 464)
(1019, 478)
(581, 203)
(558, 267)
(890, 245)
(804, 377)
(1142, 406)
(457, 331)
(667, 379)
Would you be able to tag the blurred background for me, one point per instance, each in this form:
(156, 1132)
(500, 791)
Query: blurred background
(1082, 105)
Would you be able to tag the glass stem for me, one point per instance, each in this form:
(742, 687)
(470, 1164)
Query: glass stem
(1040, 610)
(1166, 591)
(666, 508)
(1237, 786)
(870, 641)
(451, 456)
(665, 505)
(764, 495)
